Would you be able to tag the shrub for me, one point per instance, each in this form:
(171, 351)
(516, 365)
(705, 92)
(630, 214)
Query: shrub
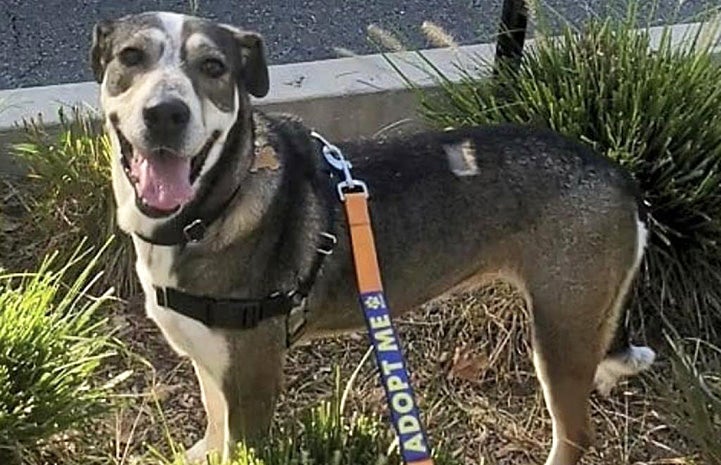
(654, 110)
(72, 196)
(52, 340)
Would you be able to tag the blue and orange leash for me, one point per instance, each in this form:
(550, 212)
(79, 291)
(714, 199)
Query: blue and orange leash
(401, 400)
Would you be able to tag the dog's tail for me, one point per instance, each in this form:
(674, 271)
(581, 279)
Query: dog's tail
(623, 358)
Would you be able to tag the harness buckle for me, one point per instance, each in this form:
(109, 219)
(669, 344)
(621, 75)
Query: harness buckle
(296, 319)
(210, 311)
(194, 231)
(330, 240)
(161, 297)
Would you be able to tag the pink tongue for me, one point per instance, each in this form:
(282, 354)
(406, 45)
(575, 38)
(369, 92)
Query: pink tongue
(163, 182)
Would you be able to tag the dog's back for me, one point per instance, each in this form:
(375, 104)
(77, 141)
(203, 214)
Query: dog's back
(492, 199)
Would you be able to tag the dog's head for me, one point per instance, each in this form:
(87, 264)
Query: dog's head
(172, 87)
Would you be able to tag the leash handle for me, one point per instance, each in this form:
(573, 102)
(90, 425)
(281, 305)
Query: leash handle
(400, 397)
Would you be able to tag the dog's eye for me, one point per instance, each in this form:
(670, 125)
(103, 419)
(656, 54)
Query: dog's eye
(213, 67)
(131, 56)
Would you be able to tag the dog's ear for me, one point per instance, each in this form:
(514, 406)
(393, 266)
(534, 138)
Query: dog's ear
(254, 70)
(101, 48)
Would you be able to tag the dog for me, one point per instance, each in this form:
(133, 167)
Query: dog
(228, 208)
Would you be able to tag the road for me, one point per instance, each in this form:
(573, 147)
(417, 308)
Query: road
(46, 42)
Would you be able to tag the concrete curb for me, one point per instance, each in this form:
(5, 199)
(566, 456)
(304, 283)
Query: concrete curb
(342, 98)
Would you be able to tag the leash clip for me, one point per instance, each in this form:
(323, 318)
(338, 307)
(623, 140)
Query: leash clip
(334, 157)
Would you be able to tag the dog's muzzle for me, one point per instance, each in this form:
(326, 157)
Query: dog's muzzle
(164, 180)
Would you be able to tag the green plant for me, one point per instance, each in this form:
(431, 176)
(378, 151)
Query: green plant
(651, 107)
(72, 194)
(323, 435)
(693, 401)
(52, 340)
(193, 7)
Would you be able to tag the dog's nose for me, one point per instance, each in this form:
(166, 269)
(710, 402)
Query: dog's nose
(169, 115)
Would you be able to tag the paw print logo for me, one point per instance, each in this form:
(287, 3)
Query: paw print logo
(374, 302)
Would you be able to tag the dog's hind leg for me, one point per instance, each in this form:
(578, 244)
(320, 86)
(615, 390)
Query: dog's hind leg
(577, 288)
(565, 360)
(566, 357)
(624, 359)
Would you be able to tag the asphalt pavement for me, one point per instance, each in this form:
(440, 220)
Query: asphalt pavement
(45, 42)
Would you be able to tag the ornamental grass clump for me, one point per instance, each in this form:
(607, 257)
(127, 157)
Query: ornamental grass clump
(324, 434)
(53, 339)
(71, 194)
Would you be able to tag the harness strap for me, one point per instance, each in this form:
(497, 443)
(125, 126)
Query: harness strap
(225, 313)
(232, 313)
(405, 415)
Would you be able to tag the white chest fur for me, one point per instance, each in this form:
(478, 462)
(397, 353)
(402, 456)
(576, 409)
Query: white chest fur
(188, 337)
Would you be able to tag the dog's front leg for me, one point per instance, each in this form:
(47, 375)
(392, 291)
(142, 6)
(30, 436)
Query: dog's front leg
(239, 403)
(252, 383)
(216, 412)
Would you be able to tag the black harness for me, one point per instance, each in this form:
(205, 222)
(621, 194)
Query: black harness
(239, 314)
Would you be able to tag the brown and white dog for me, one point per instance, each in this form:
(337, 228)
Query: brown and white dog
(451, 209)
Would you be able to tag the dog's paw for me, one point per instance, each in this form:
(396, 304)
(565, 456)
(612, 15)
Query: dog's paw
(197, 453)
(633, 361)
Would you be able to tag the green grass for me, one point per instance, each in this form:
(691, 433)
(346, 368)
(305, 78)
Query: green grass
(72, 196)
(52, 341)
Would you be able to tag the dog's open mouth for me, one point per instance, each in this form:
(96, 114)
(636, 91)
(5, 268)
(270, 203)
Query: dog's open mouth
(164, 180)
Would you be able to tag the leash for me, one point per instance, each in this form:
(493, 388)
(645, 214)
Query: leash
(400, 397)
